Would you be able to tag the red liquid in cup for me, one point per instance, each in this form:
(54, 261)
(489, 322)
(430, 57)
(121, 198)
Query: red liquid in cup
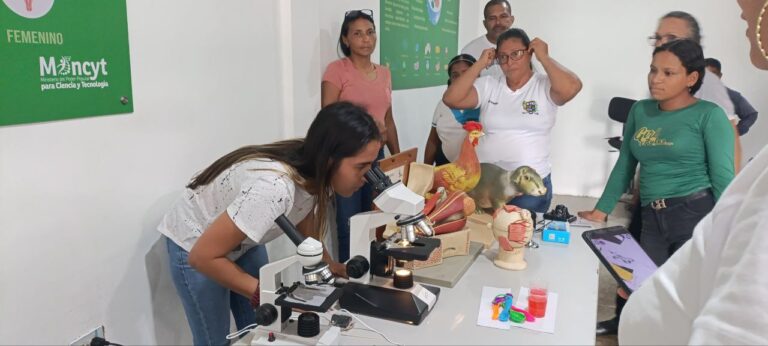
(537, 303)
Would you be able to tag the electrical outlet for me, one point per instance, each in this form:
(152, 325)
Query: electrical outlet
(85, 340)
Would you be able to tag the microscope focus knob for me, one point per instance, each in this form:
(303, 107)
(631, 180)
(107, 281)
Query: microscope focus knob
(357, 267)
(266, 314)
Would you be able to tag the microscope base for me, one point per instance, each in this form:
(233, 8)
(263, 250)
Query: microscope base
(387, 303)
(328, 336)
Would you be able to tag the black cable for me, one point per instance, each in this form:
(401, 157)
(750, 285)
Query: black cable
(544, 225)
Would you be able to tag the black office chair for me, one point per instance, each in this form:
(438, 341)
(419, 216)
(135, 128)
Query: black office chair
(618, 110)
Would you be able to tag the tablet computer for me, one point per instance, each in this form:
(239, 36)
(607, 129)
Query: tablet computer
(622, 255)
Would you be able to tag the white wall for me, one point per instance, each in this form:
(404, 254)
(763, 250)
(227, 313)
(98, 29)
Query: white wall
(604, 42)
(80, 199)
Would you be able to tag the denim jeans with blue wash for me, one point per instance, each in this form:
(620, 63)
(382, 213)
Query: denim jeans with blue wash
(206, 303)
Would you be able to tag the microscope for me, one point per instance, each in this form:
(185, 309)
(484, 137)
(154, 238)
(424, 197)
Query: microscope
(377, 287)
(317, 293)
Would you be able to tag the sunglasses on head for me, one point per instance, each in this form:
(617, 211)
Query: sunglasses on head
(358, 12)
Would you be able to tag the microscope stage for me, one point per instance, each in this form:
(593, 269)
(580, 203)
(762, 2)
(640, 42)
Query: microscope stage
(419, 250)
(310, 298)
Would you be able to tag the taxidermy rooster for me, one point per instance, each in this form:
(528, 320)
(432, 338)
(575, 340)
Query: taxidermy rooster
(464, 173)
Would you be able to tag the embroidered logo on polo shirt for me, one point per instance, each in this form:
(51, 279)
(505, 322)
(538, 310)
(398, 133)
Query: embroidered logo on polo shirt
(646, 137)
(531, 107)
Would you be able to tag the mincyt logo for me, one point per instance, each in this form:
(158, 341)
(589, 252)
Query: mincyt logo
(66, 67)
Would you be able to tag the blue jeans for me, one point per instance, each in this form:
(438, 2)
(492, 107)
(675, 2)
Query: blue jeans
(440, 158)
(539, 204)
(206, 303)
(346, 207)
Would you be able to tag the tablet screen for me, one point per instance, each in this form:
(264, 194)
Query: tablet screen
(624, 255)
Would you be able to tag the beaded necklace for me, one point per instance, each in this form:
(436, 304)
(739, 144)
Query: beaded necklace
(757, 30)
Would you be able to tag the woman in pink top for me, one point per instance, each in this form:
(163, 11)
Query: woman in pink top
(355, 78)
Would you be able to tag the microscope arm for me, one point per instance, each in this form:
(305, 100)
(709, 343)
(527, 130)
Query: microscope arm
(308, 252)
(363, 227)
(269, 277)
(269, 274)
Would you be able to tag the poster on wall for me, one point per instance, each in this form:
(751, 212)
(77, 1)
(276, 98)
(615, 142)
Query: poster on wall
(63, 59)
(418, 39)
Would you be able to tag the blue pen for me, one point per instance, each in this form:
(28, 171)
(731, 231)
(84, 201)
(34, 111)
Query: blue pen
(504, 315)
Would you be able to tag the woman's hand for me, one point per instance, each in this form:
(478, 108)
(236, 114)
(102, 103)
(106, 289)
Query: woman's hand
(382, 128)
(209, 256)
(539, 48)
(593, 215)
(487, 57)
(339, 269)
(565, 84)
(622, 293)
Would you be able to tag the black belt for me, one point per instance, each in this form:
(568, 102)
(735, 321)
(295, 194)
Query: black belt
(668, 202)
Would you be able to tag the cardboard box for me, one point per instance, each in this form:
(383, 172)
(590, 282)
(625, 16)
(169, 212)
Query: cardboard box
(557, 232)
(435, 258)
(455, 244)
(451, 244)
(479, 229)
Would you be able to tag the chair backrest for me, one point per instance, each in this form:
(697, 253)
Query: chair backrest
(618, 108)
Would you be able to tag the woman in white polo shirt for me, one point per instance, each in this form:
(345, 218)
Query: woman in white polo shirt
(447, 134)
(517, 110)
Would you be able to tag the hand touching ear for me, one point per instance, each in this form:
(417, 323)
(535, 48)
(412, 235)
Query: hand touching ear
(539, 48)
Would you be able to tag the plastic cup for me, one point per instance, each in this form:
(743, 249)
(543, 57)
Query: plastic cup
(538, 287)
(537, 298)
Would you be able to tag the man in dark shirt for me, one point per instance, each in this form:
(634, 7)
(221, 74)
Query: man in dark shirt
(747, 114)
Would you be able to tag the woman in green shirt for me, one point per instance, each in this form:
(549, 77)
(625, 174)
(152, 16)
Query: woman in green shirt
(684, 147)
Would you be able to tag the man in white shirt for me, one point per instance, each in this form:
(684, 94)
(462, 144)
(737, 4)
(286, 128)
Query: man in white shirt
(498, 18)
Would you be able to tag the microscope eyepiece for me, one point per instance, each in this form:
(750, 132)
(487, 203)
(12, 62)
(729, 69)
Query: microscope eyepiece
(378, 179)
(289, 229)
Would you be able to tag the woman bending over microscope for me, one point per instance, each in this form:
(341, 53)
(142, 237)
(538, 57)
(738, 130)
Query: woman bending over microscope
(217, 229)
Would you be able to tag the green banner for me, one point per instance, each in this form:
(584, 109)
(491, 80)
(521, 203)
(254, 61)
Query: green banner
(63, 59)
(418, 39)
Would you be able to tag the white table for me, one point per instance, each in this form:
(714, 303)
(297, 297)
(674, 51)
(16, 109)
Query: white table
(571, 271)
